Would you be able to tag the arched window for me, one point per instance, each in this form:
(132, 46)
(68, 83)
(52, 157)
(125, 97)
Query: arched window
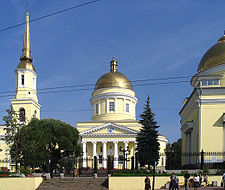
(35, 114)
(22, 114)
(22, 79)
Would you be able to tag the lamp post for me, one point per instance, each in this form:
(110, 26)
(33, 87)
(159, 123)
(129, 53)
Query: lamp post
(125, 151)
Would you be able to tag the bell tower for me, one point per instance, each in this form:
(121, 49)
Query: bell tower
(25, 101)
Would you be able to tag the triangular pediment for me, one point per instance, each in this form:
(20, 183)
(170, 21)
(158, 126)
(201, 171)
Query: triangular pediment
(109, 128)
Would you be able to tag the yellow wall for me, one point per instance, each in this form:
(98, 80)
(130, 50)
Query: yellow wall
(212, 128)
(11, 183)
(137, 183)
(29, 107)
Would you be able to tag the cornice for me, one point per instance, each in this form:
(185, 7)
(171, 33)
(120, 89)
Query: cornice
(113, 95)
(187, 126)
(109, 135)
(25, 70)
(100, 127)
(34, 102)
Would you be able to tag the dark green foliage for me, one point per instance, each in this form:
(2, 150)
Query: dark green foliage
(12, 127)
(47, 140)
(173, 155)
(147, 142)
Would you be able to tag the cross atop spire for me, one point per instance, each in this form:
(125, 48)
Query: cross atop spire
(26, 40)
(113, 65)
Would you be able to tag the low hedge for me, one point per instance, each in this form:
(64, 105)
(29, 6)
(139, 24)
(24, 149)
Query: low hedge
(140, 173)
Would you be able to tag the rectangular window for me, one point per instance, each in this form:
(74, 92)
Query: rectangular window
(111, 106)
(96, 109)
(204, 82)
(100, 159)
(127, 107)
(216, 82)
(210, 82)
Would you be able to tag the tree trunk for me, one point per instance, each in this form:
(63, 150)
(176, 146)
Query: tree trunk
(153, 182)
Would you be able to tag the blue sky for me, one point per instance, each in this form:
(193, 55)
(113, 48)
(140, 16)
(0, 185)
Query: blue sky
(150, 39)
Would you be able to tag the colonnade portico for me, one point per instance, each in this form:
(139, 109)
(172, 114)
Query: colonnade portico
(127, 144)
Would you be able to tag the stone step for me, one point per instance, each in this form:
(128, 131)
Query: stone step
(79, 183)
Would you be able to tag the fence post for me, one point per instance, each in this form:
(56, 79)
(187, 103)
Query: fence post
(202, 159)
(109, 165)
(132, 162)
(136, 161)
(95, 164)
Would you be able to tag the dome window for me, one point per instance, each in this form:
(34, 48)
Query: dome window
(111, 106)
(96, 109)
(209, 82)
(127, 107)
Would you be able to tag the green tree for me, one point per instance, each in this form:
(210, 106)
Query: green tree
(44, 143)
(12, 127)
(173, 155)
(147, 138)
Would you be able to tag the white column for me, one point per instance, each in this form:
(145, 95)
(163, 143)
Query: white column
(115, 104)
(107, 105)
(126, 153)
(104, 155)
(84, 154)
(19, 79)
(94, 109)
(116, 155)
(99, 107)
(124, 105)
(134, 109)
(8, 158)
(25, 78)
(94, 150)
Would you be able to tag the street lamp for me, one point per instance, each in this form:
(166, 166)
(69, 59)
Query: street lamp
(125, 151)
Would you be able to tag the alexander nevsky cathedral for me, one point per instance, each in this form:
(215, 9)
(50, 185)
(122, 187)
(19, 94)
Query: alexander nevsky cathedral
(113, 126)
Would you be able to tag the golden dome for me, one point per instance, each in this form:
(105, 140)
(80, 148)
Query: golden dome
(26, 63)
(214, 56)
(113, 78)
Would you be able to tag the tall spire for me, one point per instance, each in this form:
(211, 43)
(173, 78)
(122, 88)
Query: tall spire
(113, 65)
(26, 40)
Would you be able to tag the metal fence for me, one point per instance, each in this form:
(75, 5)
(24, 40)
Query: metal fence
(203, 159)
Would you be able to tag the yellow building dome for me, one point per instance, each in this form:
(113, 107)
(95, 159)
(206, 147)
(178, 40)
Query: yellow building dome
(214, 56)
(113, 78)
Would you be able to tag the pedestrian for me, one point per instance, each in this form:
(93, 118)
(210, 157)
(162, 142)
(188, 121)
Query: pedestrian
(186, 180)
(223, 180)
(147, 183)
(176, 183)
(172, 177)
(196, 181)
(206, 179)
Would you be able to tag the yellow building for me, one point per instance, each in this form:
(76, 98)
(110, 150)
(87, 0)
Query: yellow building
(25, 102)
(113, 127)
(203, 113)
